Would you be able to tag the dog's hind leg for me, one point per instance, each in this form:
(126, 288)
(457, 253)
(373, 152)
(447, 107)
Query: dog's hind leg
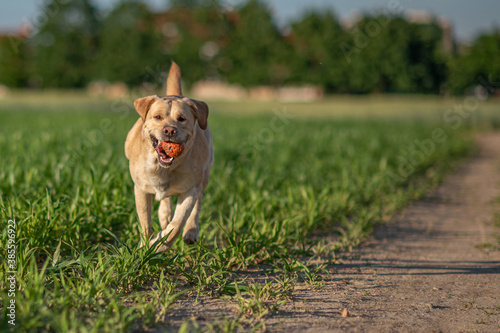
(165, 212)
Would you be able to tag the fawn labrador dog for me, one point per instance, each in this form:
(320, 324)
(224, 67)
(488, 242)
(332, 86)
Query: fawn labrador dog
(175, 120)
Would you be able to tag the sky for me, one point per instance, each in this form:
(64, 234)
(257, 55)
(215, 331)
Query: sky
(468, 17)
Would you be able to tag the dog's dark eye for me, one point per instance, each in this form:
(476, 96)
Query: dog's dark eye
(158, 117)
(181, 119)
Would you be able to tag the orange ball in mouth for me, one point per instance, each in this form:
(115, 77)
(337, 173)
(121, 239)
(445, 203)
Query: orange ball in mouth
(172, 149)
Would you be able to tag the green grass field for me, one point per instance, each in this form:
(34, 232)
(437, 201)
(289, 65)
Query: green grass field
(280, 181)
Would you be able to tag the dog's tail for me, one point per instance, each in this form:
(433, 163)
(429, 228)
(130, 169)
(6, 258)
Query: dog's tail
(174, 81)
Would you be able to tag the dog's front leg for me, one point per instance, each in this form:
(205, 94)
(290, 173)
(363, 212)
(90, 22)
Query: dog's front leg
(165, 212)
(184, 207)
(143, 203)
(192, 230)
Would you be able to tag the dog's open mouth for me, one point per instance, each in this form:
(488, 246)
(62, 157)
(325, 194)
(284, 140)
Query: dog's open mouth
(167, 151)
(163, 157)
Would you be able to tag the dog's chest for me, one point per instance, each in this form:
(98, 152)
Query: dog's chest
(166, 184)
(161, 182)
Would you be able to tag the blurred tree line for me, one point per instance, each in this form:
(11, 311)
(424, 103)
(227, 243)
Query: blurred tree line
(77, 43)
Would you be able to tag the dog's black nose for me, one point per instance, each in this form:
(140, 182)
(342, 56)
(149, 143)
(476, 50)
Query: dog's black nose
(169, 130)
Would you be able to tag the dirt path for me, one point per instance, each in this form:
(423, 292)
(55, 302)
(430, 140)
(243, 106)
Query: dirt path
(426, 271)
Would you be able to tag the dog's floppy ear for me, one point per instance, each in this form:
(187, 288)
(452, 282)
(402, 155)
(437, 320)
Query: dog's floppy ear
(143, 104)
(201, 111)
(174, 80)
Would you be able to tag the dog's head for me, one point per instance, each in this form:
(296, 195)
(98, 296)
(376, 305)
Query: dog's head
(170, 119)
(173, 118)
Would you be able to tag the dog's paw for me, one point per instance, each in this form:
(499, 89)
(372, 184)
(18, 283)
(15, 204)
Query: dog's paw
(191, 236)
(160, 247)
(164, 234)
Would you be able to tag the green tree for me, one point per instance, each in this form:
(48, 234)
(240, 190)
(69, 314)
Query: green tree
(378, 59)
(199, 32)
(478, 64)
(256, 47)
(131, 49)
(14, 62)
(193, 4)
(316, 56)
(427, 65)
(390, 54)
(66, 45)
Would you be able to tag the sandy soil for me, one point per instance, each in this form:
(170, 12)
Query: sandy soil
(427, 270)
